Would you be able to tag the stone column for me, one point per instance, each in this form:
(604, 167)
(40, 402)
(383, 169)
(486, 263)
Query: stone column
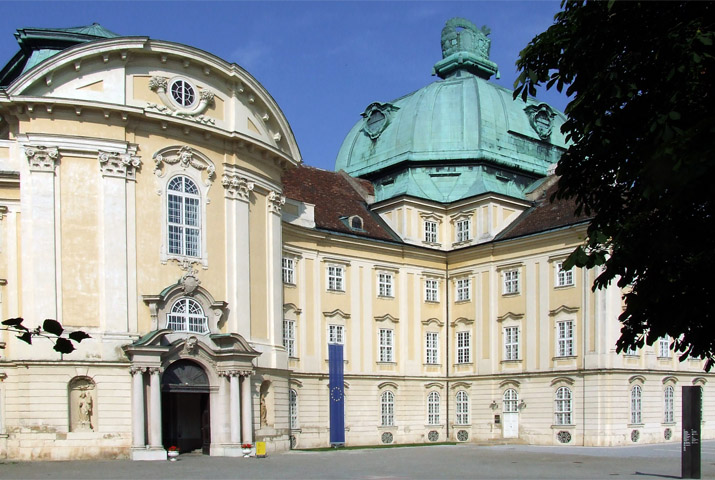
(274, 254)
(155, 406)
(138, 439)
(235, 407)
(116, 170)
(246, 408)
(237, 191)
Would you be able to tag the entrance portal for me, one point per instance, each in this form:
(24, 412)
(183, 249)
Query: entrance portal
(185, 411)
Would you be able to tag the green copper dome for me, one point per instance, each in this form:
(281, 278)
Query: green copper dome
(457, 137)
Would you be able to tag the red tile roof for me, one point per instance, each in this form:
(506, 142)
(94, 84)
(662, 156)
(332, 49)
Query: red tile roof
(336, 197)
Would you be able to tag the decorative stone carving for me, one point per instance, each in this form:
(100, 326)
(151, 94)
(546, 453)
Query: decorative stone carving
(184, 157)
(377, 118)
(191, 345)
(160, 85)
(121, 165)
(275, 202)
(541, 119)
(189, 280)
(264, 410)
(82, 393)
(236, 187)
(42, 159)
(137, 370)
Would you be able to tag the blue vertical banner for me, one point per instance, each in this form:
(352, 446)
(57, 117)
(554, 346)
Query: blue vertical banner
(337, 394)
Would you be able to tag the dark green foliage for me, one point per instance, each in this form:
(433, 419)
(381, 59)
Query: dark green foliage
(641, 160)
(50, 329)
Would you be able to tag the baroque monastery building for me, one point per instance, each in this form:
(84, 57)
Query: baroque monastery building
(154, 196)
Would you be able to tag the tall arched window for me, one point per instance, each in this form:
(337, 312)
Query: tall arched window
(636, 405)
(184, 217)
(187, 316)
(433, 408)
(387, 409)
(668, 399)
(511, 399)
(293, 406)
(462, 408)
(563, 406)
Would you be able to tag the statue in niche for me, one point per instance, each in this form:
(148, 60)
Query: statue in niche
(264, 410)
(82, 405)
(85, 411)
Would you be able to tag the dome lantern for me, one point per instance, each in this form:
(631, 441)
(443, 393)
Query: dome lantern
(465, 48)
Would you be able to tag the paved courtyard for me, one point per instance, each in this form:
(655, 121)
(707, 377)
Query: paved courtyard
(445, 461)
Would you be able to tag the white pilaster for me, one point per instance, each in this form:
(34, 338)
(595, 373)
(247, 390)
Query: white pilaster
(155, 409)
(274, 285)
(235, 408)
(138, 439)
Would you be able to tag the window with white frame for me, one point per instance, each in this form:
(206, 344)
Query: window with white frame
(336, 278)
(293, 408)
(511, 401)
(289, 270)
(563, 406)
(511, 281)
(636, 405)
(433, 408)
(664, 347)
(430, 231)
(630, 351)
(387, 409)
(184, 217)
(289, 336)
(432, 348)
(463, 230)
(387, 341)
(511, 343)
(187, 315)
(384, 284)
(336, 334)
(464, 347)
(463, 289)
(668, 403)
(564, 332)
(564, 278)
(462, 408)
(431, 289)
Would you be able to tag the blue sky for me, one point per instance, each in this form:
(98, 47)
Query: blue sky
(323, 62)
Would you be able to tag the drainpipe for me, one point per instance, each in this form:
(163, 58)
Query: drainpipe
(446, 299)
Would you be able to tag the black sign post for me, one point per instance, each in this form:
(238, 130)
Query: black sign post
(692, 402)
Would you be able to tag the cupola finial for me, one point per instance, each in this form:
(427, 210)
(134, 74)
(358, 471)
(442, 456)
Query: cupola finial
(465, 47)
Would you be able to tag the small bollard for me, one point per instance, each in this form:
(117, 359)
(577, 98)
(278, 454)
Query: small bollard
(260, 449)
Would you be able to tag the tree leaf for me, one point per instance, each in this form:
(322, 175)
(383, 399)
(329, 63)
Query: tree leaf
(13, 322)
(26, 337)
(78, 336)
(53, 327)
(63, 345)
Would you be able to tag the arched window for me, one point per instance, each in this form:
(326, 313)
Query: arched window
(668, 398)
(433, 408)
(387, 409)
(187, 316)
(184, 217)
(462, 408)
(511, 399)
(563, 406)
(636, 405)
(293, 406)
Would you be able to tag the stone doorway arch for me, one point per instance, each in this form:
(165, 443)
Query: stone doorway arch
(186, 412)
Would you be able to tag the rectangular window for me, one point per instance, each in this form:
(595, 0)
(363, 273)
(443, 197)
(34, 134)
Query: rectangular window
(289, 337)
(669, 393)
(384, 285)
(289, 271)
(664, 347)
(336, 334)
(565, 339)
(563, 277)
(335, 278)
(464, 351)
(431, 290)
(430, 231)
(511, 282)
(386, 345)
(463, 230)
(463, 289)
(511, 343)
(431, 348)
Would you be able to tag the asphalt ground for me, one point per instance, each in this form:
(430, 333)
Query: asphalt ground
(428, 462)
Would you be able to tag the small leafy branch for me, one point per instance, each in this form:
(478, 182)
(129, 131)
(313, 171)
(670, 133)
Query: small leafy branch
(50, 329)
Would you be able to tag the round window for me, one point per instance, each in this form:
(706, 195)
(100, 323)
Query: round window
(183, 93)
